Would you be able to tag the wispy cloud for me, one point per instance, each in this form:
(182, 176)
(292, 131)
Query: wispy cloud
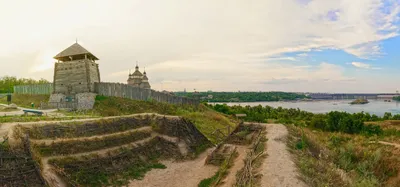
(362, 65)
(281, 59)
(302, 54)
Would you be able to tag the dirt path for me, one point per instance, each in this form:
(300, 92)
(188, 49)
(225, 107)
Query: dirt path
(20, 112)
(187, 174)
(230, 179)
(50, 176)
(278, 169)
(387, 143)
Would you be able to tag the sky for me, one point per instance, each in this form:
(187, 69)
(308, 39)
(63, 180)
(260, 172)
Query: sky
(334, 46)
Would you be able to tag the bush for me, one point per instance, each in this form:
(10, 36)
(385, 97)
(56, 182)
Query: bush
(318, 122)
(370, 130)
(336, 140)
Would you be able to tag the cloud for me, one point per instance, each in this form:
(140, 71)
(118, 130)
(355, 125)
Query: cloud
(284, 81)
(362, 65)
(207, 40)
(302, 54)
(281, 59)
(224, 77)
(365, 51)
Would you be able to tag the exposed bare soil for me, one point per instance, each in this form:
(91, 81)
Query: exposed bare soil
(238, 164)
(387, 143)
(187, 174)
(278, 169)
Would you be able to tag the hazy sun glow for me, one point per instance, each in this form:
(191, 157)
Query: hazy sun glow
(44, 61)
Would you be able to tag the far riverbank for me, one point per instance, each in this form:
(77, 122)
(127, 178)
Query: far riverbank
(377, 107)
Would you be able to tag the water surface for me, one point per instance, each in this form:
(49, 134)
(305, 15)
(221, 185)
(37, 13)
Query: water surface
(378, 107)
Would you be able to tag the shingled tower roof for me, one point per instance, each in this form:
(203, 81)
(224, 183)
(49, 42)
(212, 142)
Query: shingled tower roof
(75, 50)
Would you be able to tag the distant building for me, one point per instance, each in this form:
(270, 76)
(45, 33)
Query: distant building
(137, 79)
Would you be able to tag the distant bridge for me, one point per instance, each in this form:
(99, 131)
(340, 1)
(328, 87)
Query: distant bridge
(328, 96)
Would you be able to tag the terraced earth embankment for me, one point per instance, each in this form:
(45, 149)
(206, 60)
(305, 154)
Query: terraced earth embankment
(111, 151)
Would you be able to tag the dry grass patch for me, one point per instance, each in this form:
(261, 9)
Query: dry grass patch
(336, 159)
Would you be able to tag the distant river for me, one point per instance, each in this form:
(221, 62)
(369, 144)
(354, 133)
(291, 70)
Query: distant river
(377, 107)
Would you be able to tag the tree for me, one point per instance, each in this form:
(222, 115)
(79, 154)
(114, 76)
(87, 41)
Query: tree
(374, 117)
(7, 83)
(367, 117)
(387, 116)
(396, 117)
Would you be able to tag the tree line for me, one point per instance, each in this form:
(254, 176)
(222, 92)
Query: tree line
(7, 83)
(241, 96)
(334, 121)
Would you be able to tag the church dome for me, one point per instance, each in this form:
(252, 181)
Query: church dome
(145, 76)
(145, 81)
(137, 76)
(137, 73)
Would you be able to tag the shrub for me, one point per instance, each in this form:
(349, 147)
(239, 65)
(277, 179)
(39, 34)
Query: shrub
(370, 130)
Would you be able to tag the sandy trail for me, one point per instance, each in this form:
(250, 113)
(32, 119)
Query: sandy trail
(187, 174)
(230, 179)
(278, 169)
(386, 143)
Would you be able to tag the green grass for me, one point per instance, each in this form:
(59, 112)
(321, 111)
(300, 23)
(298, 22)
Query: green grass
(316, 172)
(205, 119)
(221, 173)
(209, 181)
(115, 106)
(23, 100)
(5, 109)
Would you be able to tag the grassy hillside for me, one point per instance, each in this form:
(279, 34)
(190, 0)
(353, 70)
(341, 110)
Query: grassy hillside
(340, 159)
(23, 100)
(205, 119)
(336, 148)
